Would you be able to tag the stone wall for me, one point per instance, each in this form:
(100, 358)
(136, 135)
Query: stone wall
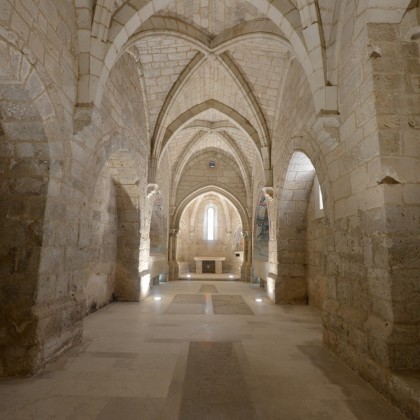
(100, 280)
(48, 30)
(318, 247)
(25, 164)
(52, 181)
(292, 226)
(363, 315)
(293, 173)
(74, 206)
(395, 243)
(159, 227)
(35, 130)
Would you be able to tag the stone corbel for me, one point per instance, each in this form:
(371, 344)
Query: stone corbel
(134, 52)
(268, 193)
(82, 117)
(247, 234)
(152, 189)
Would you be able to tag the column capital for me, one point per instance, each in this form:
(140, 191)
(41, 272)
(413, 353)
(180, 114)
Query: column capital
(152, 189)
(247, 234)
(268, 193)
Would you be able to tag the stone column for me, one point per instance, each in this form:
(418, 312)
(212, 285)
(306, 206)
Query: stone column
(247, 263)
(172, 261)
(151, 193)
(199, 266)
(272, 278)
(218, 268)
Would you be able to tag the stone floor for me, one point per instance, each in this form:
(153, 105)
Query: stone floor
(207, 350)
(209, 276)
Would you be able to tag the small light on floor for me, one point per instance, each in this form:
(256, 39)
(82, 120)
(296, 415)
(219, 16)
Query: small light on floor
(188, 275)
(157, 298)
(258, 300)
(231, 276)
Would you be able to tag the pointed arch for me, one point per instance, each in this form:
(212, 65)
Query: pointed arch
(202, 190)
(232, 115)
(192, 149)
(132, 18)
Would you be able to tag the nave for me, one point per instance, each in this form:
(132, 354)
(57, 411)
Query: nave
(206, 350)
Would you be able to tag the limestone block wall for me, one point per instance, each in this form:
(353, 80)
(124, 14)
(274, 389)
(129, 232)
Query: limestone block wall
(100, 282)
(292, 226)
(53, 181)
(40, 136)
(394, 248)
(318, 247)
(24, 176)
(118, 152)
(48, 30)
(371, 303)
(294, 168)
(160, 219)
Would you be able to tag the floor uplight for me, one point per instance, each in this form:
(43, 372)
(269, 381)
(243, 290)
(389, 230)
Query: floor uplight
(258, 300)
(189, 275)
(157, 298)
(231, 276)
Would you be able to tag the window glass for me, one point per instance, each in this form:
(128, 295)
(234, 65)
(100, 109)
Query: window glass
(210, 223)
(321, 201)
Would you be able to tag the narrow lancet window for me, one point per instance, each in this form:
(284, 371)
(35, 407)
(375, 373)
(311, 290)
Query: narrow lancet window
(321, 201)
(210, 223)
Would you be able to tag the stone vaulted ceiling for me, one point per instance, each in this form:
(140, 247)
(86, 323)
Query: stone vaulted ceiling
(190, 54)
(213, 72)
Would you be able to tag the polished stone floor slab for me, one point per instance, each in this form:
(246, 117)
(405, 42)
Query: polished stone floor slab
(189, 298)
(230, 305)
(185, 308)
(208, 288)
(156, 360)
(214, 384)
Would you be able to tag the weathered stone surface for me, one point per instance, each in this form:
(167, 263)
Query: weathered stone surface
(115, 135)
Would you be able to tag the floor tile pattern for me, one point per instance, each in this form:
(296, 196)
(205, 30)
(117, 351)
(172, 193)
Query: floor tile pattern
(171, 360)
(214, 384)
(208, 288)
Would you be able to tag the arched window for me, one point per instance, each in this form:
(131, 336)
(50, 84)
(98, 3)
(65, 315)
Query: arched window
(319, 201)
(211, 222)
